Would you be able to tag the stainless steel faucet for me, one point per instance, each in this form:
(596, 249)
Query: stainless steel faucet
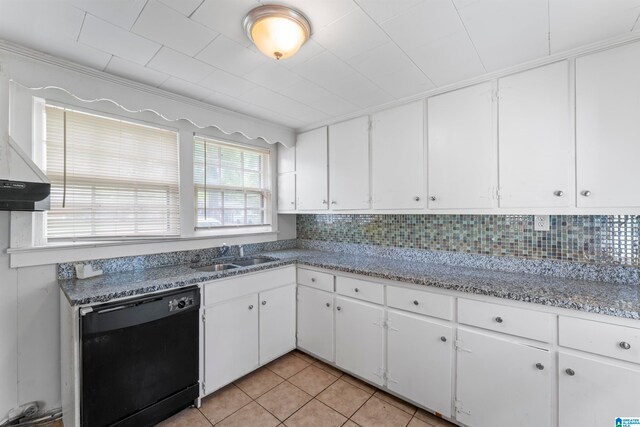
(224, 250)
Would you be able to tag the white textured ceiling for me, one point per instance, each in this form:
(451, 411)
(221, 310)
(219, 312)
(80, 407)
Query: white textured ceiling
(362, 53)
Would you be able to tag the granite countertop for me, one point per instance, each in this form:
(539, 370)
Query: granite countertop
(621, 300)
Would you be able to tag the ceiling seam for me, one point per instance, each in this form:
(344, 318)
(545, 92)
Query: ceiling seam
(469, 36)
(396, 44)
(635, 24)
(138, 17)
(196, 9)
(84, 17)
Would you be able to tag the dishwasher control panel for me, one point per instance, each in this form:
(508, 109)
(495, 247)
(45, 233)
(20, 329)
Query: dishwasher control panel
(178, 304)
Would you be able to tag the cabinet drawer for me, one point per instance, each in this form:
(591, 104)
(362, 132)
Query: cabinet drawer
(315, 279)
(251, 283)
(420, 302)
(360, 289)
(605, 339)
(509, 320)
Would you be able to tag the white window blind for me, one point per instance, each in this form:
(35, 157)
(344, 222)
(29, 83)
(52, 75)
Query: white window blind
(109, 177)
(231, 184)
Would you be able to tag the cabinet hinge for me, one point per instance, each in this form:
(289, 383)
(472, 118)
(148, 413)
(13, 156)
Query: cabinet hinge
(204, 388)
(460, 408)
(498, 194)
(204, 317)
(460, 347)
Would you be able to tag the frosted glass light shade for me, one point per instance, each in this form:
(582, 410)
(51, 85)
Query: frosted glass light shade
(277, 31)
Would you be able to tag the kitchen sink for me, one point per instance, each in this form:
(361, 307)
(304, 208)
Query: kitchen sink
(217, 267)
(252, 261)
(235, 264)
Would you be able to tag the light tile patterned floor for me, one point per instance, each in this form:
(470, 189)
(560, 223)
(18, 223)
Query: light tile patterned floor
(297, 390)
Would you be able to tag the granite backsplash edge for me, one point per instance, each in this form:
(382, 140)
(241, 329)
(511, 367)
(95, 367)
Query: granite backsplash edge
(553, 268)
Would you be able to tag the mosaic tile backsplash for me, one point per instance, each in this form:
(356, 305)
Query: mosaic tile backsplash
(603, 239)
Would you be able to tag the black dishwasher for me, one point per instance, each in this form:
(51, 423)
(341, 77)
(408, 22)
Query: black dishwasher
(140, 359)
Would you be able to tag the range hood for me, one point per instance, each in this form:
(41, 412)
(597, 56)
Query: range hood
(19, 194)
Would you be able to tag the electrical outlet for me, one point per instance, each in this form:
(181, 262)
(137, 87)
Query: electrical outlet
(541, 222)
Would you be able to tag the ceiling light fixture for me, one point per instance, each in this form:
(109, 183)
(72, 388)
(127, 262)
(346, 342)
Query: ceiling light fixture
(277, 31)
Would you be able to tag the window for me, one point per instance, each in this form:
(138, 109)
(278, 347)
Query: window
(231, 184)
(110, 178)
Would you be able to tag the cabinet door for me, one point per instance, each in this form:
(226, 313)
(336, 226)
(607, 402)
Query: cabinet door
(349, 164)
(277, 322)
(230, 341)
(311, 169)
(500, 384)
(536, 149)
(286, 159)
(397, 152)
(360, 338)
(419, 355)
(315, 322)
(607, 127)
(287, 191)
(597, 393)
(462, 151)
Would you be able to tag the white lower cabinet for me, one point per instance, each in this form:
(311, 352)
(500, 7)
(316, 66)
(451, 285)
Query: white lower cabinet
(230, 341)
(315, 322)
(500, 382)
(360, 338)
(594, 393)
(247, 321)
(419, 355)
(277, 322)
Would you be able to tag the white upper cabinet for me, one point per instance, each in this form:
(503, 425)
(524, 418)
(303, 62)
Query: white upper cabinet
(397, 151)
(286, 159)
(608, 127)
(462, 152)
(349, 164)
(535, 143)
(311, 170)
(287, 191)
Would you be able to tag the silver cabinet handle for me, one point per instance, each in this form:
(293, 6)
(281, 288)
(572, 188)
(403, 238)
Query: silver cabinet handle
(443, 338)
(338, 308)
(417, 198)
(625, 345)
(570, 372)
(328, 305)
(293, 203)
(324, 202)
(251, 307)
(558, 193)
(356, 290)
(540, 366)
(333, 202)
(313, 279)
(264, 303)
(416, 302)
(432, 198)
(586, 193)
(499, 319)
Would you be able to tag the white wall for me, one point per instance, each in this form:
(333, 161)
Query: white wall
(29, 330)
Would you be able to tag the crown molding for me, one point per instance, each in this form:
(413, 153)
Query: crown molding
(561, 56)
(27, 53)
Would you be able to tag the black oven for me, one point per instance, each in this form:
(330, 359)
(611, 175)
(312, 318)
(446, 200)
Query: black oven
(140, 359)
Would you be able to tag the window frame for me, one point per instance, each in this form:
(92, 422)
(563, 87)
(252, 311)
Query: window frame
(267, 177)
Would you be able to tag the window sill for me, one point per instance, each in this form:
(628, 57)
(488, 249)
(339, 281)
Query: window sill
(54, 253)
